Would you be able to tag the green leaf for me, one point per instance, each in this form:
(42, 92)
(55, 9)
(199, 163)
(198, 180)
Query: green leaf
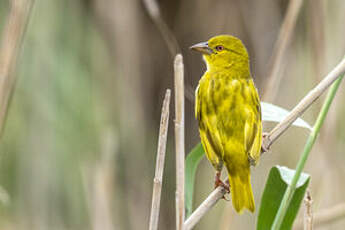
(192, 162)
(277, 114)
(278, 180)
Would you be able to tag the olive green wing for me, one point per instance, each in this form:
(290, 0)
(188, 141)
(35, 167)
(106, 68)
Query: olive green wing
(253, 127)
(207, 134)
(252, 138)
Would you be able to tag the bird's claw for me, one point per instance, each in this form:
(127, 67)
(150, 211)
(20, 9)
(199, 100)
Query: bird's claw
(221, 183)
(226, 188)
(218, 182)
(224, 198)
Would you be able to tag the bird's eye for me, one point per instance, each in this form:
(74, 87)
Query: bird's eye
(219, 48)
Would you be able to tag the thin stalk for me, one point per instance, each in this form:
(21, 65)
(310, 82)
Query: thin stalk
(10, 47)
(154, 11)
(168, 36)
(308, 146)
(308, 212)
(179, 140)
(158, 179)
(304, 104)
(280, 47)
(211, 200)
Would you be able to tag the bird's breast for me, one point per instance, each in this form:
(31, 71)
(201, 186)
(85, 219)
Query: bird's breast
(224, 102)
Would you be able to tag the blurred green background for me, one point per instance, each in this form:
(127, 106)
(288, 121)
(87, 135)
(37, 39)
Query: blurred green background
(78, 149)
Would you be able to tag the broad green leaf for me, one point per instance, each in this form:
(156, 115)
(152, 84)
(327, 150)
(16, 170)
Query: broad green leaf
(278, 180)
(277, 114)
(192, 162)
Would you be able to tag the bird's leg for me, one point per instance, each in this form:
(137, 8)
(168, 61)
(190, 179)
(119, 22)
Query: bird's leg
(218, 182)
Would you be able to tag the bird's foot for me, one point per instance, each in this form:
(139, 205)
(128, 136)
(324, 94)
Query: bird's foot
(224, 198)
(218, 182)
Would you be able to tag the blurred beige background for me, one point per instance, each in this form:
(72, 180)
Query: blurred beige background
(78, 149)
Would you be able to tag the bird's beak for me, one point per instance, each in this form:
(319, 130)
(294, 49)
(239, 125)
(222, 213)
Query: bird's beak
(202, 47)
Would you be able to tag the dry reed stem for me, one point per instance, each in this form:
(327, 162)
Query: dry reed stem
(316, 14)
(153, 10)
(179, 140)
(161, 150)
(279, 129)
(10, 46)
(304, 104)
(280, 47)
(204, 207)
(308, 212)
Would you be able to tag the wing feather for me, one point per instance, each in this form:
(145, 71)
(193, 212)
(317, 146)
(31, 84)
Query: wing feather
(253, 127)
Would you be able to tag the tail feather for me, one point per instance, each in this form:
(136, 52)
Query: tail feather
(241, 192)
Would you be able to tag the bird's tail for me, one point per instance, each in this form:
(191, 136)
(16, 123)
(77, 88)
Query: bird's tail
(241, 190)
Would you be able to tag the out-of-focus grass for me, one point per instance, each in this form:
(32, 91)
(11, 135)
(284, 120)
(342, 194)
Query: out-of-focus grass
(53, 127)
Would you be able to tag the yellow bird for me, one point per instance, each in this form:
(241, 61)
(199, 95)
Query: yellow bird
(228, 110)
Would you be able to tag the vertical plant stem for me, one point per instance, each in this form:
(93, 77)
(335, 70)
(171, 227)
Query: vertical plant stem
(308, 212)
(157, 182)
(280, 47)
(179, 141)
(168, 36)
(308, 146)
(12, 39)
(153, 10)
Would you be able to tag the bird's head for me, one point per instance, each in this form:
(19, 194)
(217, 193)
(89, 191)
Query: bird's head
(223, 51)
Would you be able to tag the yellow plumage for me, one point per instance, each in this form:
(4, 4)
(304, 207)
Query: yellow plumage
(228, 111)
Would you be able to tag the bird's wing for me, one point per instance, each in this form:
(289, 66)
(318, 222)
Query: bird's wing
(252, 138)
(253, 128)
(207, 134)
(197, 105)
